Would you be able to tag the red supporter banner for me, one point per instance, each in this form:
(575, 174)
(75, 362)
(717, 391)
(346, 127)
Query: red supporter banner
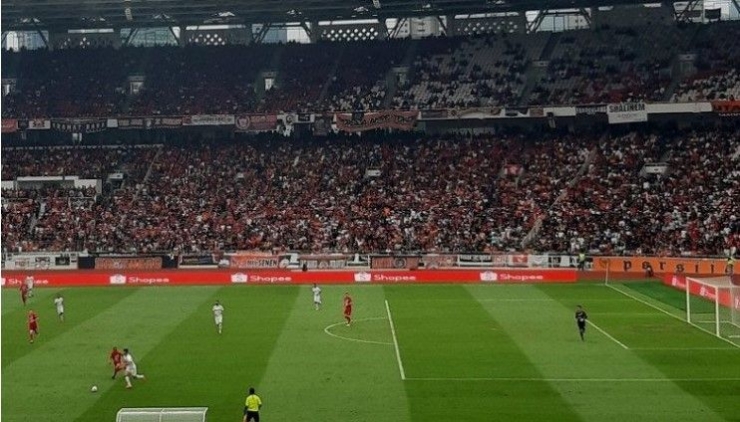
(128, 263)
(679, 282)
(254, 261)
(401, 120)
(726, 108)
(13, 279)
(394, 262)
(520, 260)
(10, 125)
(256, 122)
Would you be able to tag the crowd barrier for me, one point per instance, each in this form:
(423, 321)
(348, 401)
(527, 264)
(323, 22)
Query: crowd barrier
(223, 277)
(259, 261)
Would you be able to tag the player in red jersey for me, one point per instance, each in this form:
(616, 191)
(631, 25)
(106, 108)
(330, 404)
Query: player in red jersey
(116, 359)
(33, 326)
(24, 293)
(348, 308)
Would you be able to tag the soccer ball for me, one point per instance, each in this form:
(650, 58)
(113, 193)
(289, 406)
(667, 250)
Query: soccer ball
(94, 389)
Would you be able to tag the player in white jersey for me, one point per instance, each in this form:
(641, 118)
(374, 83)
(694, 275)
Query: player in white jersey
(29, 284)
(128, 362)
(59, 302)
(316, 296)
(218, 315)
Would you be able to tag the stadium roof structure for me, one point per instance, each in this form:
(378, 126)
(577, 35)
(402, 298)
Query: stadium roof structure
(61, 15)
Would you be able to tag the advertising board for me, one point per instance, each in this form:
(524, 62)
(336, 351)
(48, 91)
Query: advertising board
(122, 277)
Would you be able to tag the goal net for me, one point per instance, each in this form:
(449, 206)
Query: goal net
(713, 304)
(162, 414)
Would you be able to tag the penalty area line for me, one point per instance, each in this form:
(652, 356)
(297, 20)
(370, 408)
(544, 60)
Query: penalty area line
(608, 335)
(395, 341)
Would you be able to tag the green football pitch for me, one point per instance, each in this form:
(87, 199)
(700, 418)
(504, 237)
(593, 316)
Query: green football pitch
(413, 353)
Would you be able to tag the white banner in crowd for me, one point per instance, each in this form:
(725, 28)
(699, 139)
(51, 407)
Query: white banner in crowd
(627, 113)
(209, 120)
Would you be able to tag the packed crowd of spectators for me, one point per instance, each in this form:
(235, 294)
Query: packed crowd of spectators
(561, 193)
(584, 66)
(689, 207)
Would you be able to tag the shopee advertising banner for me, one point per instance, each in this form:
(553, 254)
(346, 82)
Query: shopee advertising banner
(696, 289)
(12, 279)
(689, 266)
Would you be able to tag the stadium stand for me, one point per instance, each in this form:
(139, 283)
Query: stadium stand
(565, 192)
(717, 49)
(607, 64)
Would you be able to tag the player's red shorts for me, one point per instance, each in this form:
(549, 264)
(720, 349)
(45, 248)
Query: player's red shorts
(33, 328)
(348, 310)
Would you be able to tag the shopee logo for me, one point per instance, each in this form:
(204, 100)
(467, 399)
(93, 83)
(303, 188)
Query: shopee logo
(239, 278)
(118, 279)
(363, 277)
(489, 276)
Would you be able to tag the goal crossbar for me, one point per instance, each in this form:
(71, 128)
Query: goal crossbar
(162, 414)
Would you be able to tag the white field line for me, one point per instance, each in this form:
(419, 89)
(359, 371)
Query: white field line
(608, 335)
(574, 300)
(670, 314)
(395, 341)
(505, 379)
(328, 328)
(682, 348)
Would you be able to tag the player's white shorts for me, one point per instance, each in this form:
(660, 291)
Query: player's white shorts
(131, 370)
(60, 311)
(219, 320)
(317, 300)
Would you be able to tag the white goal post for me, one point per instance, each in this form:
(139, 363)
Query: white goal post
(713, 304)
(162, 414)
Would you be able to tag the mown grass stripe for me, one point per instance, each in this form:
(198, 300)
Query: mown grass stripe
(629, 364)
(81, 305)
(459, 339)
(52, 382)
(314, 376)
(192, 365)
(720, 396)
